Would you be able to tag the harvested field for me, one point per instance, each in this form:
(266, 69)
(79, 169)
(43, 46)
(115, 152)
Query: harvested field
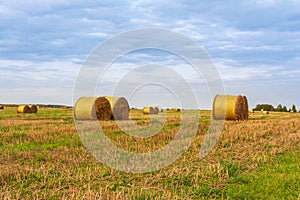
(42, 157)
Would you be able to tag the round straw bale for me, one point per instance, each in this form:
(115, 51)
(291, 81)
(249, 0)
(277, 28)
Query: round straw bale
(148, 110)
(245, 108)
(119, 106)
(23, 109)
(1, 107)
(228, 107)
(265, 112)
(92, 108)
(156, 110)
(33, 108)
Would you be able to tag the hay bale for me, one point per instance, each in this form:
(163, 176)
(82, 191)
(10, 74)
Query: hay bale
(33, 108)
(148, 110)
(119, 107)
(23, 109)
(1, 107)
(265, 112)
(92, 108)
(229, 107)
(245, 108)
(156, 110)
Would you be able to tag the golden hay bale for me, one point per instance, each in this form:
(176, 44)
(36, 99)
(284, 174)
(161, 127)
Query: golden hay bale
(33, 108)
(1, 107)
(148, 110)
(119, 107)
(229, 107)
(92, 108)
(265, 112)
(23, 109)
(156, 110)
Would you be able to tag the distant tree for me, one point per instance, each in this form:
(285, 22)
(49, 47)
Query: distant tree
(294, 109)
(284, 109)
(279, 108)
(266, 107)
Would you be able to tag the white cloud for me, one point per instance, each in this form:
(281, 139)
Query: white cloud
(246, 39)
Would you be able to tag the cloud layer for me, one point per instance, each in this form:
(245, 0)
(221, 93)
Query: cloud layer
(255, 45)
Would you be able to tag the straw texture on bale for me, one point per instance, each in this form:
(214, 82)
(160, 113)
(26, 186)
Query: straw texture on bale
(23, 109)
(156, 110)
(92, 108)
(119, 107)
(33, 108)
(230, 107)
(1, 107)
(245, 108)
(148, 110)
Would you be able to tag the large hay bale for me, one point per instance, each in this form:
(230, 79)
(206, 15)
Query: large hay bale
(33, 108)
(119, 107)
(148, 110)
(23, 109)
(1, 107)
(228, 107)
(92, 108)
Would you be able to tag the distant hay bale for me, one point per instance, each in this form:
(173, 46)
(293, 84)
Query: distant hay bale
(230, 107)
(1, 107)
(23, 109)
(265, 112)
(33, 108)
(156, 110)
(119, 107)
(148, 110)
(92, 108)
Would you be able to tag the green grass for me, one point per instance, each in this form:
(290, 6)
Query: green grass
(279, 178)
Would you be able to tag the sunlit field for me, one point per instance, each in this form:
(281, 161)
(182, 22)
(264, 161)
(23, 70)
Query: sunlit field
(42, 157)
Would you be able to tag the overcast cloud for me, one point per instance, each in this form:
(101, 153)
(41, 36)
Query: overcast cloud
(255, 44)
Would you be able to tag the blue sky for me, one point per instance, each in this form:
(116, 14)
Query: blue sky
(255, 44)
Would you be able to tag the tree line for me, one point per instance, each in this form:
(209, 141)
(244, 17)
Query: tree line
(279, 108)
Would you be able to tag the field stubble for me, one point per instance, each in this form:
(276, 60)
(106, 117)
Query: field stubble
(43, 157)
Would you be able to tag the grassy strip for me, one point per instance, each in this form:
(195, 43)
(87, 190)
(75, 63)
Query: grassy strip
(279, 178)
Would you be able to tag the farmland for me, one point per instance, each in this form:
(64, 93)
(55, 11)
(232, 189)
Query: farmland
(43, 157)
